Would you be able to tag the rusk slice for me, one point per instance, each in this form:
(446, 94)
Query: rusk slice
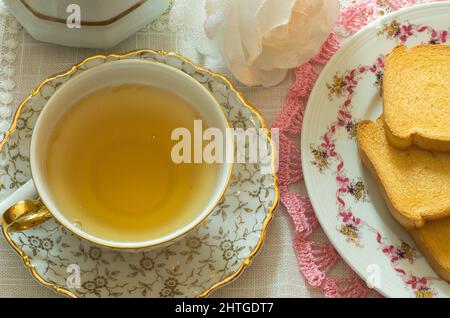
(434, 242)
(415, 182)
(416, 94)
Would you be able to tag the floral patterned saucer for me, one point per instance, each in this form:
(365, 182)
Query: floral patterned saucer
(344, 195)
(213, 255)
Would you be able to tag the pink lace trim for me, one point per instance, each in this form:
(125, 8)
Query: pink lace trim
(398, 4)
(359, 14)
(317, 259)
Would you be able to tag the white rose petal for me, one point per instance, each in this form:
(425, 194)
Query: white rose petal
(260, 40)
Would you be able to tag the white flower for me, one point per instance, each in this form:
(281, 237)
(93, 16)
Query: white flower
(259, 40)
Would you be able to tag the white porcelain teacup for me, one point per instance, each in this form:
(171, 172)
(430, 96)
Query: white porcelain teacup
(29, 212)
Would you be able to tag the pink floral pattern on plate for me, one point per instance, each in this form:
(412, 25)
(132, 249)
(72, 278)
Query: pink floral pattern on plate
(344, 87)
(403, 31)
(317, 257)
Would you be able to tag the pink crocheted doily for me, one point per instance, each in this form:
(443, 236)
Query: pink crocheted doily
(316, 259)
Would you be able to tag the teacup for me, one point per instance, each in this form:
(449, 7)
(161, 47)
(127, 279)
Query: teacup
(56, 120)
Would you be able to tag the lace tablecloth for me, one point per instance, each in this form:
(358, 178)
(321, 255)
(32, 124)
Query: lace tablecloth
(25, 62)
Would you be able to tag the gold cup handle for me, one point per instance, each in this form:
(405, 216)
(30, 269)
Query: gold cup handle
(25, 214)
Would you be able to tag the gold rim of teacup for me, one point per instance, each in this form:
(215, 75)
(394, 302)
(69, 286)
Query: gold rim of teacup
(75, 67)
(83, 23)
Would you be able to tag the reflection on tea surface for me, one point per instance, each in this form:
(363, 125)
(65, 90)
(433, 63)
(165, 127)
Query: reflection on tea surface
(109, 165)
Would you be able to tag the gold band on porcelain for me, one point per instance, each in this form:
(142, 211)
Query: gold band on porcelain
(6, 222)
(25, 215)
(84, 23)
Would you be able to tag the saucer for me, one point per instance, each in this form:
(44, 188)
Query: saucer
(211, 256)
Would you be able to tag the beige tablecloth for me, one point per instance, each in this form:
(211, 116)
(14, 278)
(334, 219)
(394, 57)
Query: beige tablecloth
(274, 272)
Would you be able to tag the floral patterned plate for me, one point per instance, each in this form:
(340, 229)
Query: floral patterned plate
(344, 195)
(213, 255)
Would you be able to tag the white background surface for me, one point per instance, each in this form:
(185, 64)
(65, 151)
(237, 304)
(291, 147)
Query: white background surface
(274, 272)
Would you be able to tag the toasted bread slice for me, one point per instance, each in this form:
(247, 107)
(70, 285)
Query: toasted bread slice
(416, 95)
(434, 242)
(415, 182)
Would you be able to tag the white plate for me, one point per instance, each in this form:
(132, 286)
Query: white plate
(348, 91)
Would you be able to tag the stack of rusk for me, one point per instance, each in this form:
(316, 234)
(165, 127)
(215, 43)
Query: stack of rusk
(407, 149)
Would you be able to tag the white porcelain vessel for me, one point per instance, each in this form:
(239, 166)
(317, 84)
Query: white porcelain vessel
(103, 23)
(112, 74)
